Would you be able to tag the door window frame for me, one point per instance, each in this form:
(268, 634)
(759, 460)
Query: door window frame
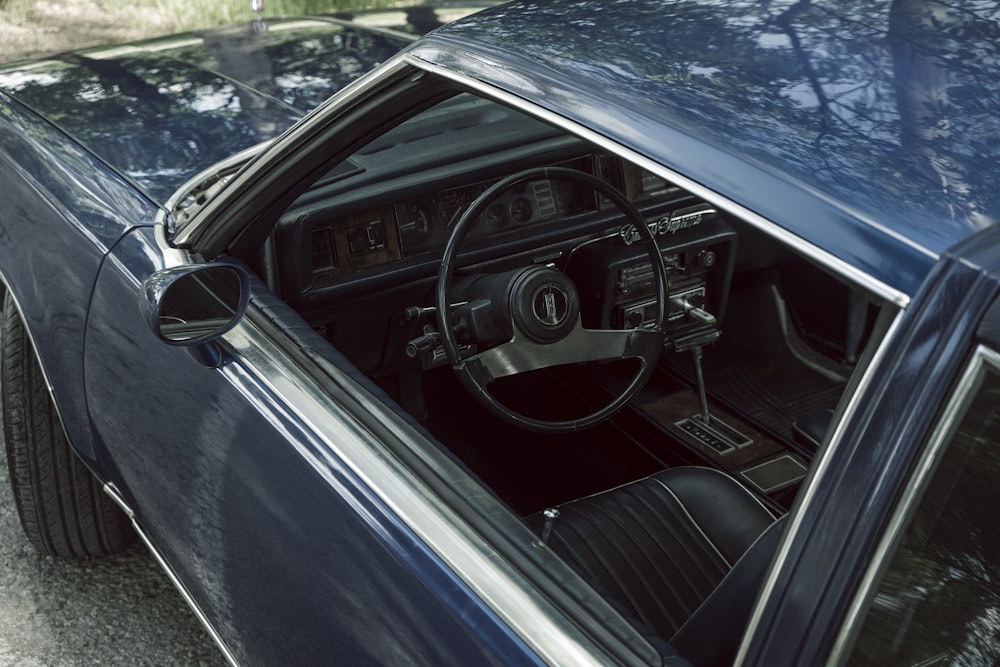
(982, 361)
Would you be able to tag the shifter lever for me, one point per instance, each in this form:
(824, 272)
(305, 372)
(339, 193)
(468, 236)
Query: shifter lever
(702, 315)
(706, 418)
(703, 429)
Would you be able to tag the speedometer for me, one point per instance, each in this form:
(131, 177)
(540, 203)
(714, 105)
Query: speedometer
(451, 204)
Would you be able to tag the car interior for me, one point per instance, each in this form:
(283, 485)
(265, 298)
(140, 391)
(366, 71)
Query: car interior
(476, 208)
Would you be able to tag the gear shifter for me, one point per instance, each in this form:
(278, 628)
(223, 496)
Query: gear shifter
(703, 428)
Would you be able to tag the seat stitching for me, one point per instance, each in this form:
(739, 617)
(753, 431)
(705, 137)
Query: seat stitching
(610, 572)
(694, 523)
(760, 537)
(667, 582)
(682, 538)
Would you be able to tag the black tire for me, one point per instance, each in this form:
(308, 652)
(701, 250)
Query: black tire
(60, 503)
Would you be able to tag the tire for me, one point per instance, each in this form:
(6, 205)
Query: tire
(60, 503)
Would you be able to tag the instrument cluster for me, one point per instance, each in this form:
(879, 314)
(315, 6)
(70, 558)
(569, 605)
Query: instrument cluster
(423, 224)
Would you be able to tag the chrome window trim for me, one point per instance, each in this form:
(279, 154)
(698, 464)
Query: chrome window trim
(412, 60)
(817, 472)
(533, 618)
(983, 360)
(226, 164)
(305, 127)
(822, 257)
(539, 623)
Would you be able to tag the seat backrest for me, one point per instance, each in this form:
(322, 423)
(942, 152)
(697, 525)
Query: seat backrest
(662, 548)
(711, 637)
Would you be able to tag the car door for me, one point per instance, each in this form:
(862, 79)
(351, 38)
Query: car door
(308, 520)
(261, 515)
(838, 573)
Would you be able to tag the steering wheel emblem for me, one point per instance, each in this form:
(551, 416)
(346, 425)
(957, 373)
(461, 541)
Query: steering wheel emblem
(550, 304)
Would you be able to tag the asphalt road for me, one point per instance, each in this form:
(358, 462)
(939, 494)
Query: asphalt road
(118, 611)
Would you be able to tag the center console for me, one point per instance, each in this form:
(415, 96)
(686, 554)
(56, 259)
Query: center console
(615, 279)
(617, 291)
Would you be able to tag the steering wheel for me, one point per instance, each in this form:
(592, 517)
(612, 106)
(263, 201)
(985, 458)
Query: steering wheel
(533, 313)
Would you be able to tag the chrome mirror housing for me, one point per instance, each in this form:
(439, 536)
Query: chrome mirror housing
(194, 304)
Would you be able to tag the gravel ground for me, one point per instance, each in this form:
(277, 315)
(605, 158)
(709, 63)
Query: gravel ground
(117, 611)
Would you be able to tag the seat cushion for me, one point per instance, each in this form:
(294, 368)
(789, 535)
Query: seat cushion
(660, 546)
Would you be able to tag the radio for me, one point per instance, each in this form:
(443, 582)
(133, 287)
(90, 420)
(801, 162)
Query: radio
(616, 284)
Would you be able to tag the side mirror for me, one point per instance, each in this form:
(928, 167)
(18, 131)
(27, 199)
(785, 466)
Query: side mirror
(194, 304)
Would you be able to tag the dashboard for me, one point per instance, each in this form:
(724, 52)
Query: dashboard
(342, 241)
(358, 251)
(373, 245)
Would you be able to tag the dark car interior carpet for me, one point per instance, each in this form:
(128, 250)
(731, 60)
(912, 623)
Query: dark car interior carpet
(533, 471)
(764, 370)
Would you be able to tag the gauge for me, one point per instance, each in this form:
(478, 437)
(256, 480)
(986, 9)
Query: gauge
(496, 216)
(520, 210)
(451, 205)
(414, 224)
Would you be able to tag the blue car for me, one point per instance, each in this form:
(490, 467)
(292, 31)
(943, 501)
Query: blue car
(653, 332)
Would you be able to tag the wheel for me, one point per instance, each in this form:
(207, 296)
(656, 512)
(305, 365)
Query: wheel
(529, 318)
(60, 503)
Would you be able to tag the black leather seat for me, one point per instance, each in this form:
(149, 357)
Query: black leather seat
(683, 552)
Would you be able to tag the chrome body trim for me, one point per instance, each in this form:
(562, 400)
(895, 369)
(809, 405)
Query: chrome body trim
(49, 387)
(982, 360)
(171, 256)
(471, 558)
(838, 266)
(27, 331)
(115, 495)
(816, 474)
(540, 624)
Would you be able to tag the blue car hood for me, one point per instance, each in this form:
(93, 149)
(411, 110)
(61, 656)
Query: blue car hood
(161, 111)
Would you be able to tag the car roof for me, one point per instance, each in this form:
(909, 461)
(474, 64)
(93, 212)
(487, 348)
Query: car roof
(866, 132)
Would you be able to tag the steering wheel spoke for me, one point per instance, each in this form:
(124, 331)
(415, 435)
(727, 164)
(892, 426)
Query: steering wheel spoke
(521, 354)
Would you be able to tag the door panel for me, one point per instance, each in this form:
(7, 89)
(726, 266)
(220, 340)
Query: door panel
(287, 552)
